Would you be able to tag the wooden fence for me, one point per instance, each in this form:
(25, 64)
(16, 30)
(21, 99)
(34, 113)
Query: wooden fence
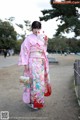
(77, 79)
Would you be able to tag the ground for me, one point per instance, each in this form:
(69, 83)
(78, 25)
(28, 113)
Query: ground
(61, 105)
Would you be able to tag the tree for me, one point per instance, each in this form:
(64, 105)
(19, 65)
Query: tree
(67, 14)
(17, 46)
(7, 35)
(24, 28)
(73, 44)
(57, 44)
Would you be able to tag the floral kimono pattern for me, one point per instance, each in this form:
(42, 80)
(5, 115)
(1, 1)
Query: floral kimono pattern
(33, 54)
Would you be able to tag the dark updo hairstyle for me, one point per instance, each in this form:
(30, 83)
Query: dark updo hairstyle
(36, 25)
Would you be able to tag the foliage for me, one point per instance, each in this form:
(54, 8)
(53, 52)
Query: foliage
(57, 44)
(62, 44)
(67, 14)
(74, 45)
(7, 35)
(24, 28)
(17, 46)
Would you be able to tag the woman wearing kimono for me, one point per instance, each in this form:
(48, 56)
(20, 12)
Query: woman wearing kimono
(34, 59)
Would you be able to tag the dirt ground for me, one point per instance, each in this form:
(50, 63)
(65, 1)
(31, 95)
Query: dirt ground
(61, 105)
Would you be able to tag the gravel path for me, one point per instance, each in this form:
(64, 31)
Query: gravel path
(61, 105)
(8, 61)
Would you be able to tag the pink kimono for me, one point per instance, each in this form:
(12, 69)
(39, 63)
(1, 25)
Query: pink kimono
(33, 54)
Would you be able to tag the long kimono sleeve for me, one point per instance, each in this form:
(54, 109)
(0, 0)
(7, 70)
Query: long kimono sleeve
(24, 53)
(46, 43)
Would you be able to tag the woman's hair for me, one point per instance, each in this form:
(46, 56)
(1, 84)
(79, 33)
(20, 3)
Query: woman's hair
(36, 25)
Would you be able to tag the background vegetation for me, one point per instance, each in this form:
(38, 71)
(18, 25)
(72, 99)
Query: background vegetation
(67, 14)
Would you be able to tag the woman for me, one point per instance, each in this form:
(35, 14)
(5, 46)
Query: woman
(33, 58)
